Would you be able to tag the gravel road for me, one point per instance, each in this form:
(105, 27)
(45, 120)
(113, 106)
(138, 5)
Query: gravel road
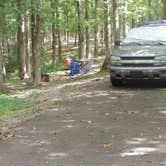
(99, 126)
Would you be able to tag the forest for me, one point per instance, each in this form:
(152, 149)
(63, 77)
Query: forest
(35, 35)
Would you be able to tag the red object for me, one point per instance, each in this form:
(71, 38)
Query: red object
(68, 62)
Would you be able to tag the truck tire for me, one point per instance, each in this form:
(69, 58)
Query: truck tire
(116, 82)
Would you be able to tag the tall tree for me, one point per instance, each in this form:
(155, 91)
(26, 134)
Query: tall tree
(125, 24)
(59, 33)
(27, 46)
(164, 8)
(35, 25)
(97, 33)
(1, 39)
(80, 28)
(87, 28)
(116, 20)
(20, 41)
(54, 35)
(66, 12)
(107, 34)
(149, 9)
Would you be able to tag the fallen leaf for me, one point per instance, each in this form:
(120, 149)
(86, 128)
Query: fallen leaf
(6, 135)
(107, 145)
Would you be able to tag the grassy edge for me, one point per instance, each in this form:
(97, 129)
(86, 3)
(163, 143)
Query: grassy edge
(12, 118)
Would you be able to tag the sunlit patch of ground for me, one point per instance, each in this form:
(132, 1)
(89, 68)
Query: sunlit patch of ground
(163, 112)
(54, 155)
(139, 151)
(144, 146)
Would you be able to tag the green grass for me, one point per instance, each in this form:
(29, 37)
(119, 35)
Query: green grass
(10, 104)
(34, 93)
(4, 91)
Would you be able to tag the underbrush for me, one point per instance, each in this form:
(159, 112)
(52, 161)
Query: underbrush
(10, 104)
(14, 108)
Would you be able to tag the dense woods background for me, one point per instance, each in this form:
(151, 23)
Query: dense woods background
(35, 33)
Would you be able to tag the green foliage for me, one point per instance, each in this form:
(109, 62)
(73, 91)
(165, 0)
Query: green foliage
(60, 66)
(46, 67)
(10, 104)
(4, 90)
(46, 64)
(34, 93)
(12, 77)
(12, 60)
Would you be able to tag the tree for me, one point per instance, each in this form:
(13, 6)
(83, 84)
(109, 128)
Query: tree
(87, 28)
(125, 24)
(35, 25)
(149, 9)
(107, 34)
(80, 28)
(1, 53)
(97, 34)
(116, 20)
(164, 8)
(20, 41)
(59, 33)
(27, 46)
(54, 35)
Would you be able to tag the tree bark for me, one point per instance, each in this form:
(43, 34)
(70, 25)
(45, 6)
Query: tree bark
(107, 34)
(87, 29)
(59, 45)
(125, 17)
(80, 28)
(54, 35)
(35, 20)
(75, 39)
(149, 11)
(1, 53)
(59, 37)
(116, 20)
(157, 10)
(27, 47)
(164, 9)
(20, 42)
(67, 23)
(97, 33)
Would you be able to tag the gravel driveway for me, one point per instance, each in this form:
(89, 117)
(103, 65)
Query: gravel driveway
(98, 126)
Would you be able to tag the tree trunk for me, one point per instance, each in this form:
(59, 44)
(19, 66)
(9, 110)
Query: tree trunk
(116, 20)
(97, 33)
(54, 35)
(20, 42)
(59, 45)
(75, 39)
(35, 20)
(125, 17)
(149, 11)
(107, 34)
(164, 9)
(87, 29)
(59, 37)
(80, 29)
(1, 53)
(27, 47)
(157, 10)
(67, 31)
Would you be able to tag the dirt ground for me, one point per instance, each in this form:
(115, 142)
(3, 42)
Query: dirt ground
(94, 125)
